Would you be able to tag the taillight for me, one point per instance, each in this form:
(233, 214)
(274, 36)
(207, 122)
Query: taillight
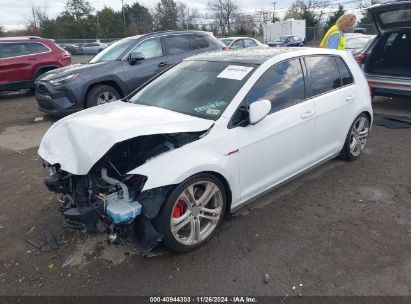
(226, 48)
(369, 89)
(66, 54)
(361, 58)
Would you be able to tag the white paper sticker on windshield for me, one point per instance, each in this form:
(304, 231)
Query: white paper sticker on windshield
(236, 72)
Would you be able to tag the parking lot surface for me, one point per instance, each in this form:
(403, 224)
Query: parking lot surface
(342, 229)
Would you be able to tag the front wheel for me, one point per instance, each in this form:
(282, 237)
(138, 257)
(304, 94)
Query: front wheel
(357, 138)
(192, 212)
(101, 94)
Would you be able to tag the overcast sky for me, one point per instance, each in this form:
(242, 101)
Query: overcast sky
(14, 13)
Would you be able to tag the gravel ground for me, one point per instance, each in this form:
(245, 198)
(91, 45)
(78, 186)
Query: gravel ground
(343, 229)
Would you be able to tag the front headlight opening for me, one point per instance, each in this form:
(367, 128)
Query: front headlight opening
(65, 79)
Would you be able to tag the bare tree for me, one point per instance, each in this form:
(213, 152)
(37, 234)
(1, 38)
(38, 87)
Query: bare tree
(263, 16)
(224, 12)
(310, 10)
(186, 16)
(1, 31)
(36, 19)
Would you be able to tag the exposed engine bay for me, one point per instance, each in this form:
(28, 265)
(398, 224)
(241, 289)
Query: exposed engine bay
(107, 194)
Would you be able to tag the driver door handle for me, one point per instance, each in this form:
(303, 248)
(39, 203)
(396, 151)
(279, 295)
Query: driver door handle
(308, 114)
(162, 64)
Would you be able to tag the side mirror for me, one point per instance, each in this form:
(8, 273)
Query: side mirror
(258, 111)
(134, 57)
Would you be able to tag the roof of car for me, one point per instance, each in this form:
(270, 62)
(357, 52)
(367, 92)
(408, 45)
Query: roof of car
(255, 55)
(20, 38)
(162, 33)
(24, 38)
(237, 37)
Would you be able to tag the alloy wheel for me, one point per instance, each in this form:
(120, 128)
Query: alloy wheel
(359, 136)
(106, 97)
(196, 212)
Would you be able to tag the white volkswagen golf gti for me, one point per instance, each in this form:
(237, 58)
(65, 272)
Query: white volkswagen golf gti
(204, 138)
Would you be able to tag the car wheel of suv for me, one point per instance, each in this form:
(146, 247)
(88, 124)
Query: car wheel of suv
(357, 138)
(101, 94)
(192, 212)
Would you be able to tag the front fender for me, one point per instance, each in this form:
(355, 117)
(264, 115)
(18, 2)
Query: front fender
(177, 165)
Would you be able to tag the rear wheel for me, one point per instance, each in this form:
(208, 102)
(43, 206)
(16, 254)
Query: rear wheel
(357, 138)
(101, 94)
(192, 212)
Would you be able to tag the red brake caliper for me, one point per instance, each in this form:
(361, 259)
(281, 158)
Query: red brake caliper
(179, 209)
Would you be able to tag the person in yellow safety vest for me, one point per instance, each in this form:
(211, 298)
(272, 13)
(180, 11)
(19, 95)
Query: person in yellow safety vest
(334, 38)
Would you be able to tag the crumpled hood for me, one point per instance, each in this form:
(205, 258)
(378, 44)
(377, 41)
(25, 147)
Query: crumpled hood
(71, 69)
(78, 141)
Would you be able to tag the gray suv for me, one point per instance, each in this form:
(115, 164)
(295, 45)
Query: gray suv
(118, 70)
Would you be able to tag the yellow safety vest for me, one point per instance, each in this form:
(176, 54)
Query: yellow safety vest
(333, 30)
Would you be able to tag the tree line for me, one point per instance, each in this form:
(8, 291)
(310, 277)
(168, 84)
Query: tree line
(223, 17)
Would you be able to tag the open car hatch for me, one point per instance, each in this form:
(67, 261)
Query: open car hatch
(391, 15)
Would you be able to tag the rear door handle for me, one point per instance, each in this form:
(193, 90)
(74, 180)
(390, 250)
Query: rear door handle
(350, 98)
(308, 114)
(162, 64)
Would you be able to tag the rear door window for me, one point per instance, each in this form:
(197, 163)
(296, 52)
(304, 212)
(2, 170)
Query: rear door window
(346, 76)
(239, 44)
(249, 43)
(324, 75)
(283, 84)
(177, 44)
(199, 42)
(14, 49)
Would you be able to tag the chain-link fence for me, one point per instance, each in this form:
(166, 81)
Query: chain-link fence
(313, 35)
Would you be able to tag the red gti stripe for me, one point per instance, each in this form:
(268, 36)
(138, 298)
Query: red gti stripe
(232, 152)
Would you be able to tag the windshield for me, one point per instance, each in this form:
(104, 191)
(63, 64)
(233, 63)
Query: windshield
(113, 51)
(227, 41)
(357, 43)
(199, 88)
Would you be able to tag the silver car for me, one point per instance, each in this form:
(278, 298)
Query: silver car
(93, 48)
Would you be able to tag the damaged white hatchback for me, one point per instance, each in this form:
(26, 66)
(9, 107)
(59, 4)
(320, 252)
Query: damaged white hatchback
(202, 139)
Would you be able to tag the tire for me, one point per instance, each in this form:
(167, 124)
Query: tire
(179, 208)
(101, 94)
(356, 139)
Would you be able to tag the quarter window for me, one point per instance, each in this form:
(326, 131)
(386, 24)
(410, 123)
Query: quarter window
(178, 44)
(150, 48)
(36, 48)
(324, 75)
(282, 84)
(346, 76)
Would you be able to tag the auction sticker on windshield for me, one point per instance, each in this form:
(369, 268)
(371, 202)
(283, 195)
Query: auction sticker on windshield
(236, 72)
